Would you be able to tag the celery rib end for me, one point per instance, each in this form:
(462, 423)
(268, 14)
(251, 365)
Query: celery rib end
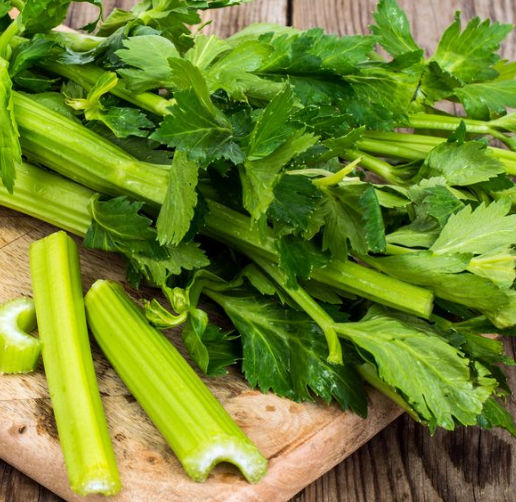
(243, 455)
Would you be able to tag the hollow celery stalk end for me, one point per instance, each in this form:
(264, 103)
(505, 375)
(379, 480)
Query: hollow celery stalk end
(72, 383)
(244, 455)
(193, 422)
(19, 352)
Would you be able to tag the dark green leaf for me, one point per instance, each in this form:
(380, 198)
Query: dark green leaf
(195, 124)
(121, 219)
(222, 349)
(294, 201)
(271, 129)
(495, 415)
(39, 16)
(285, 351)
(298, 258)
(26, 54)
(260, 177)
(192, 335)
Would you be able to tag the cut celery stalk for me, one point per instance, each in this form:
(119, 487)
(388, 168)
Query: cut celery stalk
(72, 383)
(19, 352)
(196, 426)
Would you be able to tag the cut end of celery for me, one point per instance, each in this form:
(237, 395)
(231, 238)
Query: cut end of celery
(102, 483)
(243, 455)
(19, 352)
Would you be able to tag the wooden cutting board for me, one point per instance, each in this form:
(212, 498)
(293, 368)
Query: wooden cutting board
(301, 441)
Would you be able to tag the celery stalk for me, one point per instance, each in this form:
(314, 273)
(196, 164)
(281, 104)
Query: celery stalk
(200, 432)
(19, 352)
(309, 305)
(72, 383)
(234, 228)
(83, 156)
(50, 198)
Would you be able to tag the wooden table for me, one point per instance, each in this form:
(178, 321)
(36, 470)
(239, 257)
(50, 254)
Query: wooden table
(402, 463)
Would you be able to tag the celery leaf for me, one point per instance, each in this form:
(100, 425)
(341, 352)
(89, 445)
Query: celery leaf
(469, 55)
(495, 415)
(392, 28)
(177, 211)
(462, 164)
(295, 199)
(435, 378)
(118, 226)
(352, 214)
(482, 100)
(195, 124)
(148, 54)
(39, 16)
(285, 351)
(298, 258)
(27, 53)
(478, 231)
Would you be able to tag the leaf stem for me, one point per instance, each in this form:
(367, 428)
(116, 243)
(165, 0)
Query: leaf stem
(5, 38)
(395, 150)
(375, 165)
(229, 226)
(336, 178)
(446, 123)
(88, 75)
(309, 305)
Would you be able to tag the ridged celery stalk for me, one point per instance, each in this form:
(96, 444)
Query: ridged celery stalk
(83, 156)
(19, 352)
(72, 383)
(200, 432)
(50, 198)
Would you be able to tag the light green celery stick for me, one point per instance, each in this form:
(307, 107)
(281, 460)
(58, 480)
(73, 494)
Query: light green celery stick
(50, 198)
(72, 383)
(200, 432)
(19, 352)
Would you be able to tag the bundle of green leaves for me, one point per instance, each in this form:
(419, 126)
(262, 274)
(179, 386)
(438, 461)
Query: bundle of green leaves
(267, 172)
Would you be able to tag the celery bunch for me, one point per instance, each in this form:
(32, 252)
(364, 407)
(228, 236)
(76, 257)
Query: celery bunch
(267, 173)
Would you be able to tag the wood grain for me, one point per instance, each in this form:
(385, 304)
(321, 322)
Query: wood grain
(428, 19)
(403, 462)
